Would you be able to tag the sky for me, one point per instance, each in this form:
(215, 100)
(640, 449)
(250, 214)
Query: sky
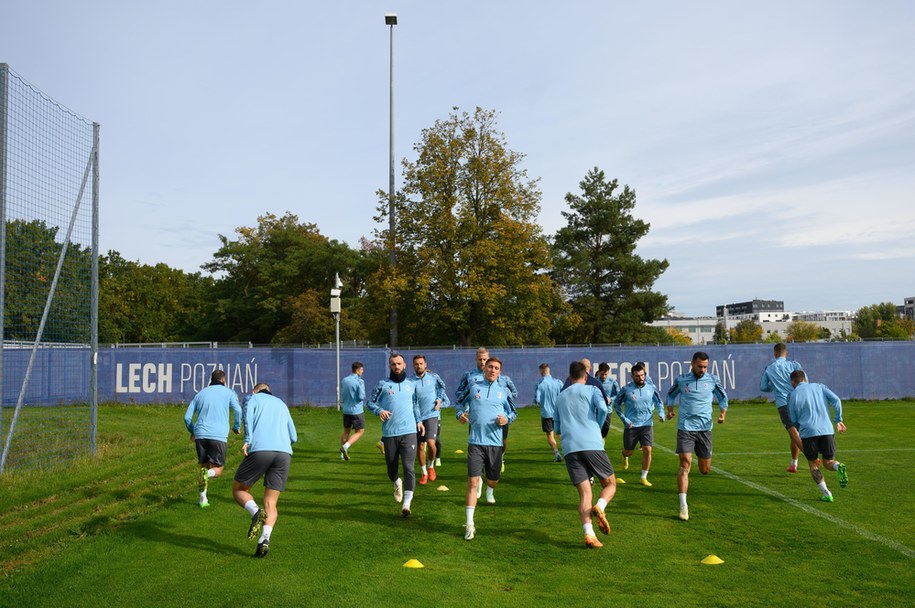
(771, 145)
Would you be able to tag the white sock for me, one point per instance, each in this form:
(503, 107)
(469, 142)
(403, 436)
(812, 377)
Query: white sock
(398, 483)
(265, 533)
(489, 492)
(794, 462)
(469, 511)
(589, 529)
(425, 471)
(822, 486)
(346, 445)
(644, 473)
(835, 465)
(211, 472)
(555, 452)
(203, 496)
(407, 498)
(601, 503)
(251, 507)
(682, 499)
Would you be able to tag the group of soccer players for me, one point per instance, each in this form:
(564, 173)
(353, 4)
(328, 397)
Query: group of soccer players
(577, 411)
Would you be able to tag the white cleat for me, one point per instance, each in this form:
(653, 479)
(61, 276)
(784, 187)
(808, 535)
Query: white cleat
(398, 491)
(684, 513)
(491, 499)
(468, 535)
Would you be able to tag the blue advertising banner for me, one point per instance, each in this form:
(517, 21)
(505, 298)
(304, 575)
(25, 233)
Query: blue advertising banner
(854, 370)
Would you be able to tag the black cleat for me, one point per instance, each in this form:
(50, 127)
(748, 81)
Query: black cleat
(262, 549)
(257, 522)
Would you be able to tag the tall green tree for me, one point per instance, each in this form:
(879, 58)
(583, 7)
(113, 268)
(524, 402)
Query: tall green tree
(472, 263)
(803, 331)
(747, 330)
(596, 264)
(276, 280)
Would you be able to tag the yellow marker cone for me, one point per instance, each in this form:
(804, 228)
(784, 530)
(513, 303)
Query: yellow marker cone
(459, 451)
(442, 488)
(712, 560)
(413, 563)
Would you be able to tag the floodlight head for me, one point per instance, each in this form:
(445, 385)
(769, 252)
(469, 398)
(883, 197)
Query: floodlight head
(390, 18)
(337, 282)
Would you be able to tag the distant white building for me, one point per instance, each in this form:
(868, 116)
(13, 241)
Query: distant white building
(773, 317)
(908, 308)
(700, 329)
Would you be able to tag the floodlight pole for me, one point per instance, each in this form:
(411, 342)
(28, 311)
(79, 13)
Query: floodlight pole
(390, 19)
(335, 311)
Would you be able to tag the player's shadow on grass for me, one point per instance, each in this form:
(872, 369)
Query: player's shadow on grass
(155, 533)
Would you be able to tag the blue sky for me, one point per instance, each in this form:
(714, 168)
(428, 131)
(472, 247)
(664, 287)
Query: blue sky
(771, 145)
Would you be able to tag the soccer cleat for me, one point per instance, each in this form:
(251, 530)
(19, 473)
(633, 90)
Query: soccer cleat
(405, 512)
(558, 458)
(602, 523)
(203, 479)
(503, 466)
(684, 513)
(432, 474)
(792, 468)
(204, 504)
(344, 453)
(843, 475)
(423, 480)
(490, 498)
(262, 548)
(438, 462)
(591, 542)
(645, 482)
(398, 492)
(826, 498)
(620, 481)
(470, 530)
(625, 463)
(380, 446)
(257, 522)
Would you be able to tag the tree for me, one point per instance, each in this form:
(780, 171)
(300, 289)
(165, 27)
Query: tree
(747, 330)
(471, 261)
(679, 336)
(881, 321)
(275, 278)
(803, 331)
(772, 338)
(595, 263)
(721, 333)
(142, 303)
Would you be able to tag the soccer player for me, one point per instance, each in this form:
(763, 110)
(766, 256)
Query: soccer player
(695, 390)
(808, 410)
(475, 376)
(210, 429)
(352, 394)
(430, 394)
(580, 412)
(776, 379)
(545, 394)
(394, 401)
(487, 407)
(269, 435)
(611, 389)
(640, 400)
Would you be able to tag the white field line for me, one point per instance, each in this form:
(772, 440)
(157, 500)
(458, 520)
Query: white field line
(843, 451)
(886, 542)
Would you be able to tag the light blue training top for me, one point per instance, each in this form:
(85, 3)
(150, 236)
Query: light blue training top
(808, 408)
(696, 400)
(399, 398)
(352, 394)
(211, 406)
(640, 402)
(429, 388)
(268, 425)
(776, 378)
(580, 412)
(475, 376)
(485, 401)
(611, 387)
(545, 393)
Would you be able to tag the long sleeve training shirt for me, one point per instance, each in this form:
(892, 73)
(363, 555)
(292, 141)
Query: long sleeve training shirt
(640, 403)
(776, 379)
(268, 425)
(580, 412)
(484, 402)
(808, 408)
(212, 406)
(352, 394)
(399, 398)
(695, 396)
(545, 393)
(429, 388)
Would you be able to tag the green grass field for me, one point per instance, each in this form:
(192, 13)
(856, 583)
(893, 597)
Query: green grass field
(124, 529)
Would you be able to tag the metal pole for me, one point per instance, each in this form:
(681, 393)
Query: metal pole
(93, 314)
(391, 233)
(337, 319)
(4, 106)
